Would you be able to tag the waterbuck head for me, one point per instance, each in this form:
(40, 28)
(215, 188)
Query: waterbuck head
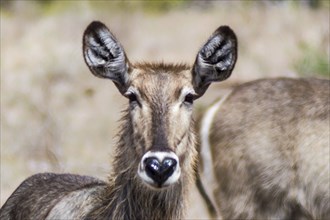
(160, 98)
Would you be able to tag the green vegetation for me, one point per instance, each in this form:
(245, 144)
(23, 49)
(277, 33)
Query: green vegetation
(150, 6)
(313, 62)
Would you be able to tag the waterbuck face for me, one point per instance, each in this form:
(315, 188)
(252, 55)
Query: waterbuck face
(160, 98)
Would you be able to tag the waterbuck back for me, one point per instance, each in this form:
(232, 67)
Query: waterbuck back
(268, 142)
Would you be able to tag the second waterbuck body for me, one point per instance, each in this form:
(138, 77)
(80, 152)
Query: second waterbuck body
(155, 160)
(266, 150)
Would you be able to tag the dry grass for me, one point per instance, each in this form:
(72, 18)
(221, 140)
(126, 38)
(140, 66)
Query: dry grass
(57, 117)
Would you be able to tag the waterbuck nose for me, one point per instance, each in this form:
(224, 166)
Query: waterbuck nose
(160, 171)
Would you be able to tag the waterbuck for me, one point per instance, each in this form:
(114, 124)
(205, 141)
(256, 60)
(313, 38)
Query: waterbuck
(155, 160)
(266, 148)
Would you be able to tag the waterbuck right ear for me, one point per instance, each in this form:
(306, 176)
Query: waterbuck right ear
(216, 60)
(104, 55)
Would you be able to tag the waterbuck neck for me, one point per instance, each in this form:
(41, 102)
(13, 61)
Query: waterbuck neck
(127, 197)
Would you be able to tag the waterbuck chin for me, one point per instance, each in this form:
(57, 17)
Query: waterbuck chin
(155, 160)
(265, 147)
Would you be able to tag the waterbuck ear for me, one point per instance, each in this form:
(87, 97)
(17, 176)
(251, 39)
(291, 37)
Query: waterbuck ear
(216, 60)
(104, 55)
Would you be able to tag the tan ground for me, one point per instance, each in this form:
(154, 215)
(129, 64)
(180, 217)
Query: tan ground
(57, 117)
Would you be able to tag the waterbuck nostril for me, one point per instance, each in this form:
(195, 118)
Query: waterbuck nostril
(160, 171)
(153, 168)
(168, 167)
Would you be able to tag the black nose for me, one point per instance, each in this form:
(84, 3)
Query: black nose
(159, 171)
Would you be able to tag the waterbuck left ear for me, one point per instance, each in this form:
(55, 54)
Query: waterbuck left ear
(216, 60)
(104, 55)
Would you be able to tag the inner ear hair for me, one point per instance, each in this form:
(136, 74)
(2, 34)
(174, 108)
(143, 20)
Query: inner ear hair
(216, 59)
(104, 55)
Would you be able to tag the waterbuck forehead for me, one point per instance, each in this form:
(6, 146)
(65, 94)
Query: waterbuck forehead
(160, 82)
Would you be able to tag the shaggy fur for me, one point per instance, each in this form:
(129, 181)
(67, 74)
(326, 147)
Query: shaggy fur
(158, 120)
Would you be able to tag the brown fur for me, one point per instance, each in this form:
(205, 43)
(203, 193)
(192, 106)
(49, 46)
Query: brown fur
(158, 121)
(270, 147)
(124, 196)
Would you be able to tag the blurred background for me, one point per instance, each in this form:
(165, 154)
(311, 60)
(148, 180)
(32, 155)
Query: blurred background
(57, 117)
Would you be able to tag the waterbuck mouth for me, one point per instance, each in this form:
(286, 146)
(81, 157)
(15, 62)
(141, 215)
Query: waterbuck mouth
(159, 169)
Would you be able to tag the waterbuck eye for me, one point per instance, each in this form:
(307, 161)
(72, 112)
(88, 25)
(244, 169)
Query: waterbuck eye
(189, 98)
(132, 97)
